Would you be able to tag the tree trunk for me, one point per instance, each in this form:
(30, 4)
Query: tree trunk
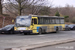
(32, 10)
(0, 7)
(19, 11)
(19, 8)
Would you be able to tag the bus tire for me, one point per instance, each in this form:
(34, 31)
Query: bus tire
(25, 33)
(44, 31)
(57, 29)
(40, 31)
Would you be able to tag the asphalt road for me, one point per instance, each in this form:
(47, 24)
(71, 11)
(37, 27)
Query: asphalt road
(17, 40)
(66, 46)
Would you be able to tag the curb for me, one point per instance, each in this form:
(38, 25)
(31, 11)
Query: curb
(30, 47)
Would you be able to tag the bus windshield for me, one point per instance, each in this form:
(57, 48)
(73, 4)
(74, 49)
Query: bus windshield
(23, 21)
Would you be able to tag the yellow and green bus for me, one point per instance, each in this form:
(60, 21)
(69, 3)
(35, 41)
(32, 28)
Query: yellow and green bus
(38, 24)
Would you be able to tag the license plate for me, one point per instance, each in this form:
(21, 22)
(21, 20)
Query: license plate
(21, 28)
(21, 31)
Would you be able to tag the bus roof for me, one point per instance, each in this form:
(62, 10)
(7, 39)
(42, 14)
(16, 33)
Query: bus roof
(46, 16)
(43, 16)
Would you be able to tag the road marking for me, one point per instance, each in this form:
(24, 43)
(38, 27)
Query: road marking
(40, 35)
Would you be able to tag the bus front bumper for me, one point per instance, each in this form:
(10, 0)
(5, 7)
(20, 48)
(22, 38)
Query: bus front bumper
(24, 31)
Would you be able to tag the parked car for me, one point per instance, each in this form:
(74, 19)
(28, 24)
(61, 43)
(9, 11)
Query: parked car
(7, 29)
(72, 26)
(67, 27)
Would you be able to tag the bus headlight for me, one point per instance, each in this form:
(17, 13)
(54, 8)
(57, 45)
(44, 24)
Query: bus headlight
(15, 28)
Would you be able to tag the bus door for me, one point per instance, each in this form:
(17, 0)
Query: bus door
(34, 25)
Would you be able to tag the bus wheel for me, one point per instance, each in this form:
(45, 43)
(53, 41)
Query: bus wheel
(44, 31)
(57, 29)
(25, 33)
(40, 31)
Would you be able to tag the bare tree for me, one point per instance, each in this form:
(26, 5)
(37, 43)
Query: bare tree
(1, 6)
(20, 5)
(44, 11)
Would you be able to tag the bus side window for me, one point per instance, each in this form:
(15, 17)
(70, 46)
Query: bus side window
(35, 21)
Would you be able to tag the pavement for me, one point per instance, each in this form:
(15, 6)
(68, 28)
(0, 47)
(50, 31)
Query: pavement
(65, 46)
(19, 40)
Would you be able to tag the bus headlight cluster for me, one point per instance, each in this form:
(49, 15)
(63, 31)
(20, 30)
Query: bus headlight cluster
(15, 28)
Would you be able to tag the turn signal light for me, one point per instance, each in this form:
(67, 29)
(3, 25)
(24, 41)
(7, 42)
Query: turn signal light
(15, 28)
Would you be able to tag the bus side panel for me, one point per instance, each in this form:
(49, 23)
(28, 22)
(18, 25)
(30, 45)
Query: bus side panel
(63, 26)
(35, 28)
(50, 27)
(53, 27)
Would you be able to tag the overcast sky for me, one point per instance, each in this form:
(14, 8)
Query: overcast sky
(62, 3)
